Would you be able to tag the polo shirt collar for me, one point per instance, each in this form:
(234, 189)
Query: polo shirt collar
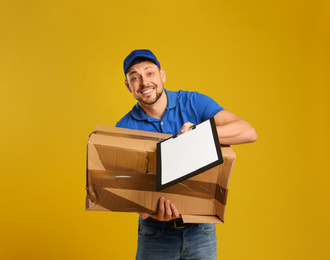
(172, 101)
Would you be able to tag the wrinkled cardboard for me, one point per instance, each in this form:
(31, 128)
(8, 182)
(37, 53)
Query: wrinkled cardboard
(121, 176)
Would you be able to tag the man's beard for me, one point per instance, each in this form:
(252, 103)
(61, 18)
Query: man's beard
(151, 102)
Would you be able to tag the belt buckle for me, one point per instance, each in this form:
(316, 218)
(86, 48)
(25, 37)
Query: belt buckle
(176, 226)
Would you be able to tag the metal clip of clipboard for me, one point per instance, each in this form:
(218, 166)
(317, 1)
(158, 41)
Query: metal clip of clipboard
(180, 133)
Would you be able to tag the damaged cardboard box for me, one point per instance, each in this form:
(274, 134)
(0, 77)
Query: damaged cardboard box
(121, 176)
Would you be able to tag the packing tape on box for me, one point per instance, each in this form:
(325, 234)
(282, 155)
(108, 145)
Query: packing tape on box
(113, 202)
(102, 182)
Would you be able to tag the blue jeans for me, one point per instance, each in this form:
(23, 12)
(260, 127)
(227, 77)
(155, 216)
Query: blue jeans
(158, 241)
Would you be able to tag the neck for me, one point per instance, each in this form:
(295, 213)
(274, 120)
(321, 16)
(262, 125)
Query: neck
(157, 109)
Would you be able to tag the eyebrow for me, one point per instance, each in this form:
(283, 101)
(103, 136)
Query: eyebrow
(134, 71)
(131, 72)
(148, 67)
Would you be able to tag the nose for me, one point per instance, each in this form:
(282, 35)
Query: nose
(144, 81)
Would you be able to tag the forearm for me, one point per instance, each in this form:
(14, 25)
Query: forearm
(233, 130)
(236, 133)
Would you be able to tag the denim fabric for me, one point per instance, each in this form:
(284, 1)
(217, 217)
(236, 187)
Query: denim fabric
(162, 242)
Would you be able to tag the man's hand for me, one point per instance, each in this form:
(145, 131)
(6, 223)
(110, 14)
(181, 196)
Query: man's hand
(166, 211)
(186, 127)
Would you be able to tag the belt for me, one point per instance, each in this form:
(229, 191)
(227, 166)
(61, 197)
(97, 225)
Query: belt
(178, 223)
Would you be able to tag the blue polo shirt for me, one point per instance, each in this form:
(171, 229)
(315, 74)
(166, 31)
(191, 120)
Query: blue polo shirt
(182, 107)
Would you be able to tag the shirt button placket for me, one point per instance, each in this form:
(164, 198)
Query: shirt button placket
(162, 126)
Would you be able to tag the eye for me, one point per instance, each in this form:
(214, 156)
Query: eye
(150, 73)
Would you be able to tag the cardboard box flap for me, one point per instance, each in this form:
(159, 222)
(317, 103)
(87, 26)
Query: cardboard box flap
(100, 129)
(114, 140)
(201, 219)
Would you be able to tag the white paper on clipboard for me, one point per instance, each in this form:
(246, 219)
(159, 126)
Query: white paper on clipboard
(188, 154)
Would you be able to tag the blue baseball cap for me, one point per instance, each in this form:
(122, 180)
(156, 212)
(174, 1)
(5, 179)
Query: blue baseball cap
(139, 54)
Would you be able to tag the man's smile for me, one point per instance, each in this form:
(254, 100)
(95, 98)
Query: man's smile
(147, 91)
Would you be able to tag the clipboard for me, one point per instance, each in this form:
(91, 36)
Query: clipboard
(183, 156)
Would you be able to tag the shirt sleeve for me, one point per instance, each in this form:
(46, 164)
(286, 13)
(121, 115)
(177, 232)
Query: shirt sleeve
(205, 106)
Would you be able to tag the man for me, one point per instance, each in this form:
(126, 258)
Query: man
(164, 235)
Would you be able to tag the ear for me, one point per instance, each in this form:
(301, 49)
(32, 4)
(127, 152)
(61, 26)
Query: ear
(127, 86)
(163, 75)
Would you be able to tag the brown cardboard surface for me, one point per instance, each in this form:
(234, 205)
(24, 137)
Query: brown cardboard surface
(198, 218)
(121, 176)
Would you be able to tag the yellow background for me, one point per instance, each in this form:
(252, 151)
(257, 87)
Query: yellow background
(61, 75)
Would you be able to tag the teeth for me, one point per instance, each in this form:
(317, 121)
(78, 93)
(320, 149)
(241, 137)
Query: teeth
(147, 91)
